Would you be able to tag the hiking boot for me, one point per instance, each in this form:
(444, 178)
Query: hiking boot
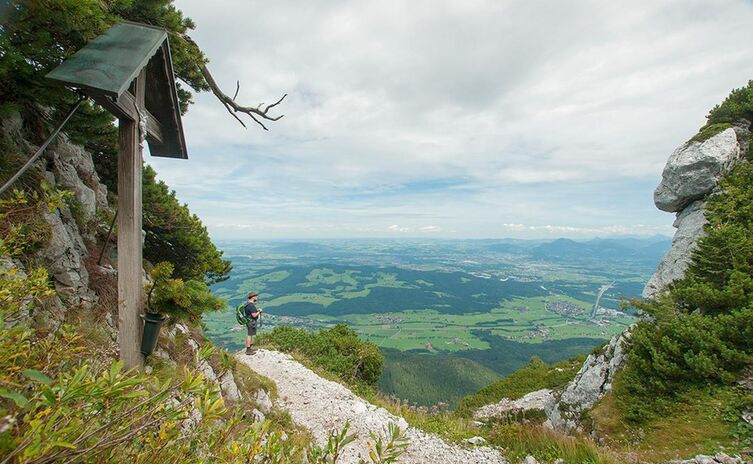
(249, 350)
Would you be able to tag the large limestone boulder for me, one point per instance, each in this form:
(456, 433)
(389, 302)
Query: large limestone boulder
(537, 400)
(689, 225)
(694, 169)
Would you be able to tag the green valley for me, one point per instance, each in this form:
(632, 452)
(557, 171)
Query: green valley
(469, 311)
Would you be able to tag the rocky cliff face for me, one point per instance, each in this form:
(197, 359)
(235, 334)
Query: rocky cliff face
(68, 167)
(691, 174)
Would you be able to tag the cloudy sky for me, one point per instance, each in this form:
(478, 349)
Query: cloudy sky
(465, 119)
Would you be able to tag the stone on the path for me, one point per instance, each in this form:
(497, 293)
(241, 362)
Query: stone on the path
(475, 440)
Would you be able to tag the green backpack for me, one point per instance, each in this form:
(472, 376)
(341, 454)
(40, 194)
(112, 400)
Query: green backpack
(240, 314)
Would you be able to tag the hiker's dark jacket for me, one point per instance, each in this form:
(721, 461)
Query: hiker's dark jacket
(249, 309)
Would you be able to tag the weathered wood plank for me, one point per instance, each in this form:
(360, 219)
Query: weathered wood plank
(125, 108)
(130, 281)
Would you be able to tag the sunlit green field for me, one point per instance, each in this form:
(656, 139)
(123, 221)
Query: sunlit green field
(432, 310)
(429, 329)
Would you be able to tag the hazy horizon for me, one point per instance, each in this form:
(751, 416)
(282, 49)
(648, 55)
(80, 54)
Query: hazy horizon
(424, 238)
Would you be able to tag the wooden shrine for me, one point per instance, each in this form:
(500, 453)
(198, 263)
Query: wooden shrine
(128, 70)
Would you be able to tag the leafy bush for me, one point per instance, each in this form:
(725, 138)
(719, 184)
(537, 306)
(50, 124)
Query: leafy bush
(23, 229)
(338, 351)
(178, 298)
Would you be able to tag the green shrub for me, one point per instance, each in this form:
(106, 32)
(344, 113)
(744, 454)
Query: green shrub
(338, 351)
(182, 300)
(709, 131)
(687, 350)
(174, 234)
(739, 104)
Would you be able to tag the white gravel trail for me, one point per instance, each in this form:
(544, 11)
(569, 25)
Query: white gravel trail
(321, 405)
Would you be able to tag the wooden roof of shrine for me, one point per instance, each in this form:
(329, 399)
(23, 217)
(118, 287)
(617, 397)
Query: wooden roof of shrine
(105, 70)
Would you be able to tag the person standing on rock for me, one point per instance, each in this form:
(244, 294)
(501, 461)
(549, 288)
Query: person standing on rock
(252, 313)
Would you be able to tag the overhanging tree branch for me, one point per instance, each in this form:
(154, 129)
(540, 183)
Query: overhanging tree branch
(257, 113)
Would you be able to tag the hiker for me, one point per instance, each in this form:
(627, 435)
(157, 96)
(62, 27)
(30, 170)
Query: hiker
(252, 314)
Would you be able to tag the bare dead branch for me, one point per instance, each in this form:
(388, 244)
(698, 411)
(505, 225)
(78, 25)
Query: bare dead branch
(256, 113)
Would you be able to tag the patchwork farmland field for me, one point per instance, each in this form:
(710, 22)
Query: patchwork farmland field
(493, 303)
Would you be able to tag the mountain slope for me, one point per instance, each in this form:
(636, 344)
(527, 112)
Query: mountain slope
(428, 378)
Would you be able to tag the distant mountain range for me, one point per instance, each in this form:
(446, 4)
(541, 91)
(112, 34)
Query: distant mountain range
(643, 249)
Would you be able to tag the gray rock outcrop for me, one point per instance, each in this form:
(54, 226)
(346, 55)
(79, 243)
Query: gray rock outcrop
(74, 170)
(64, 257)
(71, 169)
(591, 383)
(694, 169)
(229, 388)
(691, 174)
(689, 225)
(719, 458)
(262, 400)
(537, 400)
(206, 369)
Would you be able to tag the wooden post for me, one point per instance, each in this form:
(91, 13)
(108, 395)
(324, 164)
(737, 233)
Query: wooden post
(130, 280)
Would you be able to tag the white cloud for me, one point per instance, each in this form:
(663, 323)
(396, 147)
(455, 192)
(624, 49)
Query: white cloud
(550, 112)
(549, 230)
(397, 228)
